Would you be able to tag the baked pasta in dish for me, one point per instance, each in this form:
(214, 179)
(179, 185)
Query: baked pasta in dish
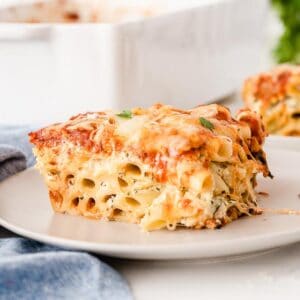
(160, 167)
(276, 96)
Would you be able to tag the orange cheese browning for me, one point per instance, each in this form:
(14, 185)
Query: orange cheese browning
(276, 96)
(159, 167)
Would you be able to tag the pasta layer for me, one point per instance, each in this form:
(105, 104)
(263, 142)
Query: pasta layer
(159, 167)
(276, 97)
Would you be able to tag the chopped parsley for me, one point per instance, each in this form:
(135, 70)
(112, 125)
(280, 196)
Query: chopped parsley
(127, 114)
(207, 124)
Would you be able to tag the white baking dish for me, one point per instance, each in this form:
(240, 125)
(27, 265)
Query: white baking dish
(184, 57)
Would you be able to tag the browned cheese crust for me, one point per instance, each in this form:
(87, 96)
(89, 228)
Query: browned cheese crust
(275, 95)
(160, 167)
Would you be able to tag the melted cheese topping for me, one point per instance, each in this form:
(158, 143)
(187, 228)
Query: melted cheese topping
(160, 167)
(276, 97)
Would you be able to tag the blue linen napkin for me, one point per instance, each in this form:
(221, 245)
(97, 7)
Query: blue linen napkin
(31, 270)
(15, 150)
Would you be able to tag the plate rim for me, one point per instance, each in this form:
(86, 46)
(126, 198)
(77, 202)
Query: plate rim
(163, 251)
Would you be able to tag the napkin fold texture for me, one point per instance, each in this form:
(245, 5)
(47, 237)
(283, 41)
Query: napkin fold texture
(15, 150)
(31, 270)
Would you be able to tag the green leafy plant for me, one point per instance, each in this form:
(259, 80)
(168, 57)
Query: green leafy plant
(288, 47)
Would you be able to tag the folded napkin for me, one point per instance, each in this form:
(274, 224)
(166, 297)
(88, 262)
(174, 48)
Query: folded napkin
(31, 270)
(15, 150)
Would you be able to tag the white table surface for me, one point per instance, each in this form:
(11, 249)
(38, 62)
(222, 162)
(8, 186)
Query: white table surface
(270, 275)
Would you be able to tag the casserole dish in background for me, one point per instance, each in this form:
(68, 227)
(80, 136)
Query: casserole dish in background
(183, 55)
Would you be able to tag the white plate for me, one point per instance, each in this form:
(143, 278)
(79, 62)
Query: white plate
(283, 142)
(25, 209)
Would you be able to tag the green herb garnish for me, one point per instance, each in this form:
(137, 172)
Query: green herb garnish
(207, 124)
(127, 114)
